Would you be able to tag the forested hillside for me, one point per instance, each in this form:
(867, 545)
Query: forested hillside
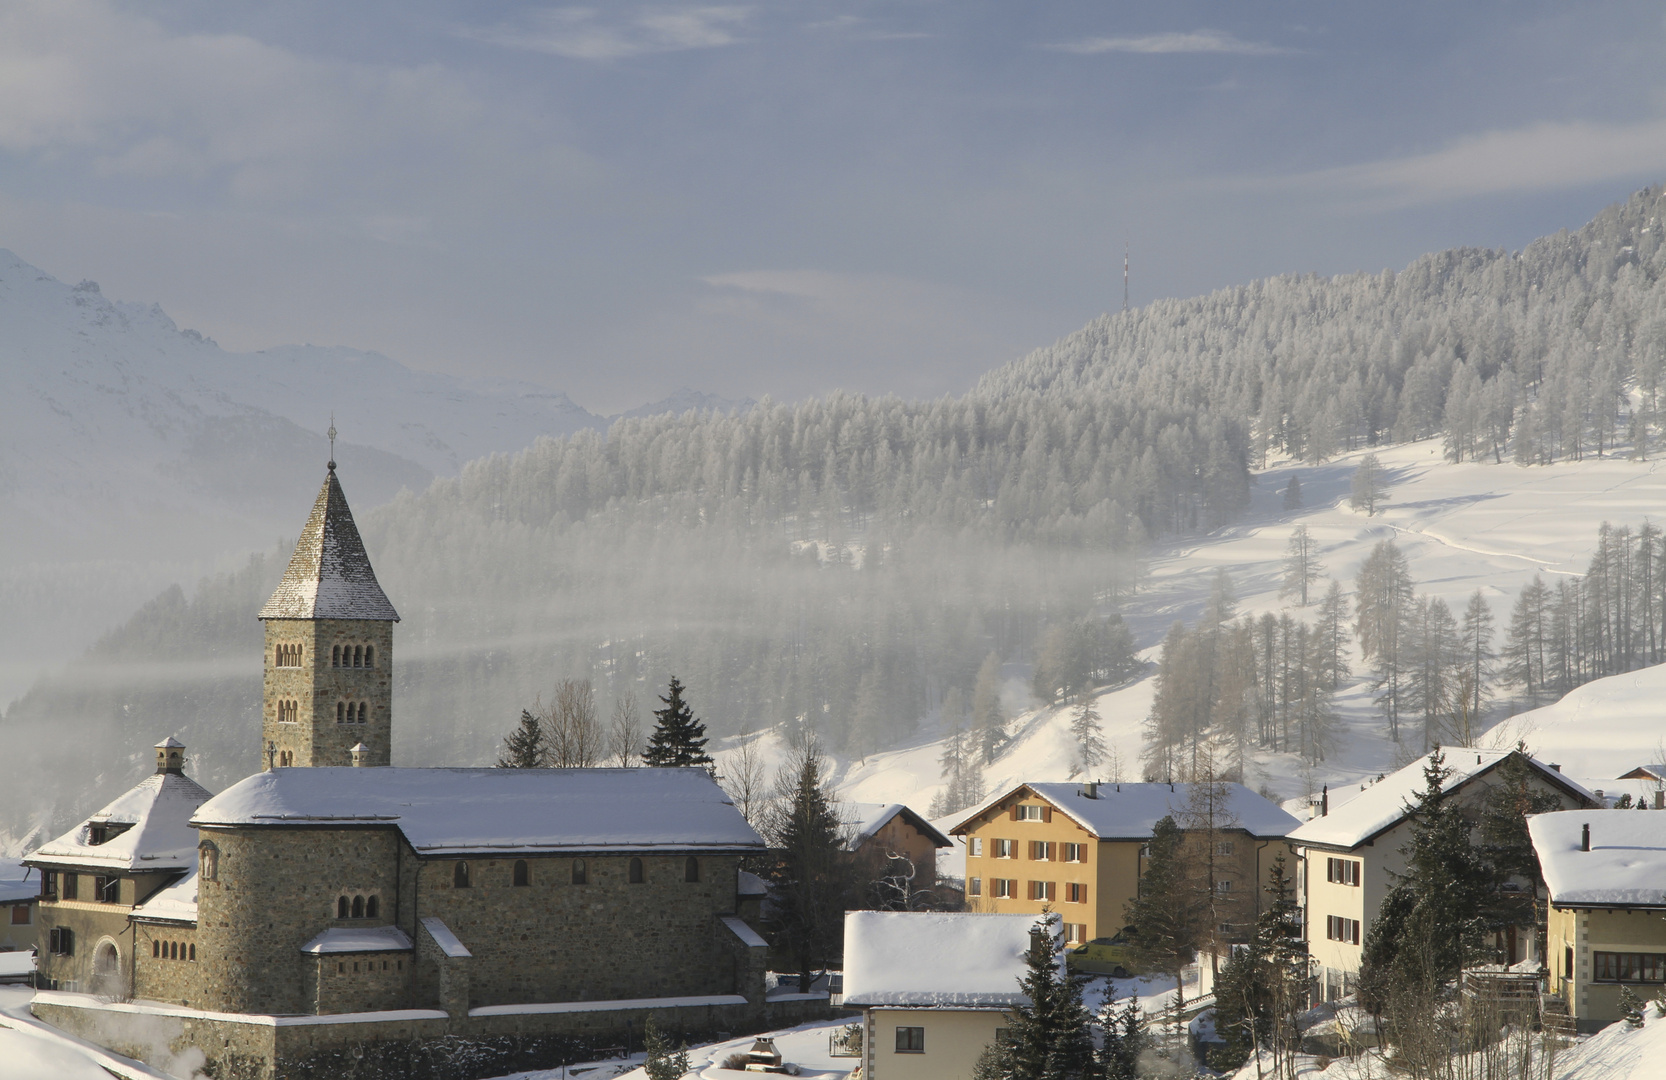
(845, 562)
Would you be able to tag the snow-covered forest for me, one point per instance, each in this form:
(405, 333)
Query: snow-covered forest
(849, 563)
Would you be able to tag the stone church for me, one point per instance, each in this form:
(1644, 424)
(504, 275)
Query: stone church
(332, 910)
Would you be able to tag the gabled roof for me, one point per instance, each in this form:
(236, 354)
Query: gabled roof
(462, 811)
(1384, 804)
(160, 837)
(1131, 811)
(1645, 772)
(917, 958)
(329, 576)
(869, 818)
(1626, 866)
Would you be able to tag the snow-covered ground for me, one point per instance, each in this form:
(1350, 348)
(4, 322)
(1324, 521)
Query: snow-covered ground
(1462, 527)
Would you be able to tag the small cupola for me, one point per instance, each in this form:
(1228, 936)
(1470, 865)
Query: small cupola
(361, 755)
(170, 756)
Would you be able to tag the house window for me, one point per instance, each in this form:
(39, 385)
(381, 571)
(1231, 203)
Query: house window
(1342, 871)
(1223, 848)
(975, 848)
(1075, 853)
(520, 877)
(286, 758)
(579, 877)
(1029, 813)
(1075, 892)
(911, 1040)
(637, 877)
(1041, 851)
(1003, 849)
(460, 875)
(1628, 967)
(1344, 930)
(72, 886)
(49, 885)
(974, 886)
(1041, 890)
(1075, 933)
(1002, 888)
(1224, 885)
(691, 869)
(61, 941)
(20, 914)
(107, 890)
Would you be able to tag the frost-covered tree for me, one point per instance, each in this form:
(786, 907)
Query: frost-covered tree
(1368, 486)
(1301, 564)
(1089, 735)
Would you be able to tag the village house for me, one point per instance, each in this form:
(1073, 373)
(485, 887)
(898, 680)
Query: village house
(333, 907)
(18, 896)
(1350, 852)
(1080, 849)
(891, 840)
(1606, 874)
(934, 988)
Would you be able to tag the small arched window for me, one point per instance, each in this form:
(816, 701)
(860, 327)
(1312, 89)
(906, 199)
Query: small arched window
(358, 656)
(173, 950)
(370, 656)
(691, 869)
(335, 655)
(358, 907)
(370, 906)
(636, 875)
(579, 876)
(364, 708)
(520, 876)
(341, 708)
(155, 948)
(342, 907)
(193, 951)
(460, 875)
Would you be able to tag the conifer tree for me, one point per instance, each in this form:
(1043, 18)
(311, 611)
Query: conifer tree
(1089, 734)
(1166, 915)
(987, 718)
(812, 874)
(1293, 494)
(1123, 1040)
(524, 747)
(1301, 564)
(1050, 1038)
(1369, 484)
(662, 1062)
(678, 739)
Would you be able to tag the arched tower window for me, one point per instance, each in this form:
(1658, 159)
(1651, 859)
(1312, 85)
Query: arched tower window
(358, 656)
(370, 907)
(579, 875)
(343, 906)
(370, 656)
(520, 875)
(358, 907)
(364, 708)
(341, 707)
(460, 876)
(691, 869)
(637, 877)
(335, 655)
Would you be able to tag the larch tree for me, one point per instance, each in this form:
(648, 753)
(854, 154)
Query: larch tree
(1368, 486)
(678, 738)
(1383, 602)
(1089, 733)
(988, 720)
(1301, 564)
(1293, 494)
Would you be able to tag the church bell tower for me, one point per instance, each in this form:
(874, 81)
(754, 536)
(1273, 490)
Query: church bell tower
(329, 648)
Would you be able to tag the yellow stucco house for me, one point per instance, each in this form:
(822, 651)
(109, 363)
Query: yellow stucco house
(934, 988)
(1079, 850)
(1350, 854)
(1606, 873)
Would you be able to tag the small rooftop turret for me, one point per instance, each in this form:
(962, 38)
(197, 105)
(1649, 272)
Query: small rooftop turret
(361, 755)
(170, 756)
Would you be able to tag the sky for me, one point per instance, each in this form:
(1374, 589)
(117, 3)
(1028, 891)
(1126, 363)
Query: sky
(788, 197)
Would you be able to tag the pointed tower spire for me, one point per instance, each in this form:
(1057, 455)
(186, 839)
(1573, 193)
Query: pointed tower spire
(329, 576)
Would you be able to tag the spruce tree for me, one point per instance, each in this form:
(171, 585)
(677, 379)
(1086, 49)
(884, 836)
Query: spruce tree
(662, 1062)
(1293, 494)
(1122, 1040)
(1050, 1036)
(812, 876)
(524, 747)
(678, 739)
(1165, 915)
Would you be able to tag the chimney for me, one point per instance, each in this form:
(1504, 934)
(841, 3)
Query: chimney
(170, 756)
(1090, 790)
(1324, 801)
(1659, 799)
(1555, 767)
(1585, 838)
(361, 754)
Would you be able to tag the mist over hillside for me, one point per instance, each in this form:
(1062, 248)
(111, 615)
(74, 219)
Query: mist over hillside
(845, 563)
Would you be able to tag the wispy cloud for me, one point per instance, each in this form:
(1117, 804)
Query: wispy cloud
(1541, 157)
(1197, 41)
(585, 34)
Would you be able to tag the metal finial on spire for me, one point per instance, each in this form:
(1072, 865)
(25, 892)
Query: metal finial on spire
(1125, 247)
(332, 434)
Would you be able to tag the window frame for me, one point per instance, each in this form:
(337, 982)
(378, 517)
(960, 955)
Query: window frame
(974, 886)
(974, 847)
(636, 871)
(1340, 871)
(520, 875)
(581, 872)
(1003, 848)
(910, 1039)
(460, 875)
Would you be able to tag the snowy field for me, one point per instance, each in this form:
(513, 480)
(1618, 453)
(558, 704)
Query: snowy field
(1462, 527)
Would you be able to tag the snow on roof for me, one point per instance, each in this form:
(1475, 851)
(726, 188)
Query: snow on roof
(749, 884)
(463, 811)
(329, 576)
(1625, 867)
(444, 938)
(15, 882)
(1131, 811)
(160, 837)
(176, 903)
(865, 819)
(354, 939)
(1383, 805)
(747, 935)
(932, 958)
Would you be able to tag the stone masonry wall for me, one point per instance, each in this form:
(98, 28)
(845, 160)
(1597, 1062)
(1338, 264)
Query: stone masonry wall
(316, 739)
(607, 939)
(360, 982)
(157, 976)
(275, 890)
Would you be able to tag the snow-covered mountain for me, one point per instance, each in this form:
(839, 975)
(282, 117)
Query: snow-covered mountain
(683, 399)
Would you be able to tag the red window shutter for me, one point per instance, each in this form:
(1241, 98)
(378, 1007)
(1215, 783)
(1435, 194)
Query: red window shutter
(1356, 931)
(1046, 814)
(1084, 891)
(1015, 812)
